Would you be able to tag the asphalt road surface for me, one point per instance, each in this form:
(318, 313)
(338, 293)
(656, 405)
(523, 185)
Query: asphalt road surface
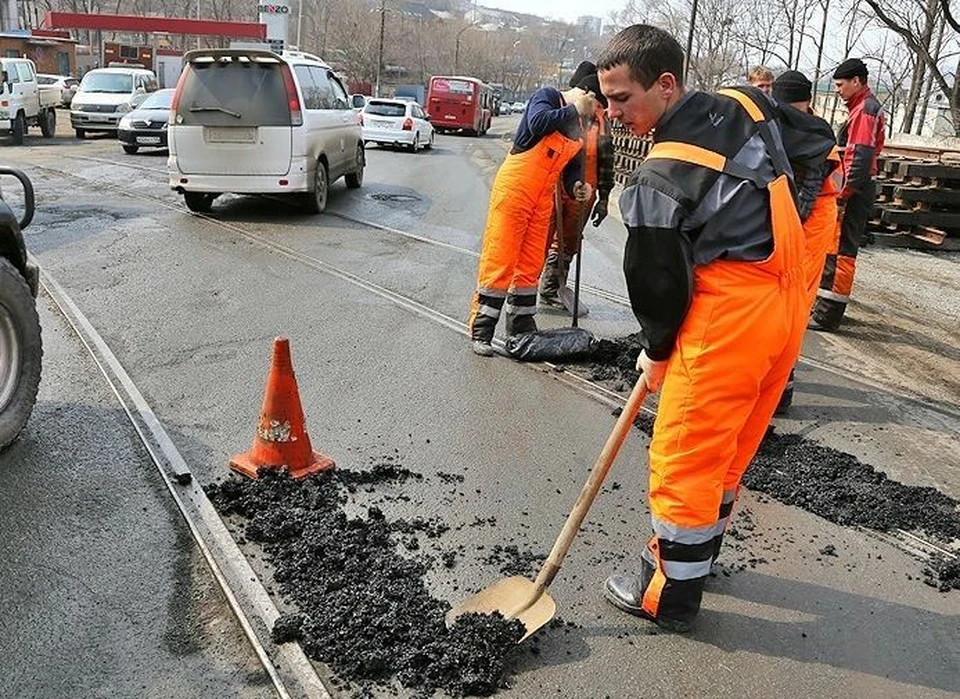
(104, 594)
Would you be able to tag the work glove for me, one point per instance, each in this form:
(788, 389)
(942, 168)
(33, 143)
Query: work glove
(582, 191)
(651, 371)
(584, 102)
(599, 212)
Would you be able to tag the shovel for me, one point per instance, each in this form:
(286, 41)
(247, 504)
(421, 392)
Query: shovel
(519, 598)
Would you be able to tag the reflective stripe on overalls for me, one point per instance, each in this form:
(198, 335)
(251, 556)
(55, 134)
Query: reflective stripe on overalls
(822, 227)
(515, 238)
(733, 354)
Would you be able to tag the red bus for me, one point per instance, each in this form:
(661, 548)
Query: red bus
(456, 103)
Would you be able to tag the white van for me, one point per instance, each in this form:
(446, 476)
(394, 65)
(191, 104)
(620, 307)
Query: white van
(106, 94)
(251, 121)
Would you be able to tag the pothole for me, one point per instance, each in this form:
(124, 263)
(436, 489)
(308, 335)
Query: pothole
(385, 196)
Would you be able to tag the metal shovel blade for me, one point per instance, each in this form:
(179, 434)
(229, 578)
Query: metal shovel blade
(511, 597)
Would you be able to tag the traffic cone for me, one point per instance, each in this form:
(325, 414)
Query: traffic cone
(281, 439)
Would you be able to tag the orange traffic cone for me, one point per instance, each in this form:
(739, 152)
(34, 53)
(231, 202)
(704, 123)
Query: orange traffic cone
(281, 438)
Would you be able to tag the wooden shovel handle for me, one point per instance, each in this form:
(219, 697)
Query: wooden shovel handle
(590, 489)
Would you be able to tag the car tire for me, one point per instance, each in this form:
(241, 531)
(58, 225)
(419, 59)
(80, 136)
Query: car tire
(81, 134)
(19, 129)
(48, 123)
(316, 201)
(354, 179)
(20, 339)
(130, 149)
(429, 144)
(199, 202)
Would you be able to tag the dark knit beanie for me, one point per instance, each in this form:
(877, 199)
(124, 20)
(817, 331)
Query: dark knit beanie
(583, 70)
(851, 68)
(792, 86)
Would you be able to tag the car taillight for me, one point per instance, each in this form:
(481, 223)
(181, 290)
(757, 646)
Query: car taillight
(176, 93)
(293, 100)
(408, 124)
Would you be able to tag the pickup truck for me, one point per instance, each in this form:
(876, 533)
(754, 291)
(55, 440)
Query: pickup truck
(20, 341)
(24, 101)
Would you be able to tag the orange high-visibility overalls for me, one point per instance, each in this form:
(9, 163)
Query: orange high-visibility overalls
(734, 351)
(515, 239)
(822, 225)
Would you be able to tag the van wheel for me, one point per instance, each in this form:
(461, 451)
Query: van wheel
(130, 149)
(19, 129)
(21, 343)
(199, 202)
(354, 180)
(316, 201)
(81, 134)
(48, 123)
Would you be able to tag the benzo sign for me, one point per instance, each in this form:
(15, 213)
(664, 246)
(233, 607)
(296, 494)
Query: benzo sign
(273, 9)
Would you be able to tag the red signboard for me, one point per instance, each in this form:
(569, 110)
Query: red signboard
(160, 25)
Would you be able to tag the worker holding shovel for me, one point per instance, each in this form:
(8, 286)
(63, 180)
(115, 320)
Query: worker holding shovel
(570, 215)
(714, 264)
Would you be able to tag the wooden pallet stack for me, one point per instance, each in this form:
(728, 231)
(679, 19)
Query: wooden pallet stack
(629, 152)
(918, 199)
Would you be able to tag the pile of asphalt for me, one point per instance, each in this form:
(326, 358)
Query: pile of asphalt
(362, 606)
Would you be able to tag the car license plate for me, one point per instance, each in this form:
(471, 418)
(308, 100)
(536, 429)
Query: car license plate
(148, 140)
(213, 134)
(382, 124)
(98, 118)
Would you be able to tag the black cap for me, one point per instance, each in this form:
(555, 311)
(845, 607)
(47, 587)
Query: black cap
(851, 68)
(585, 77)
(583, 70)
(792, 86)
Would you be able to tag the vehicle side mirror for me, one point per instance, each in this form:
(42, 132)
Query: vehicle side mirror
(426, 117)
(5, 80)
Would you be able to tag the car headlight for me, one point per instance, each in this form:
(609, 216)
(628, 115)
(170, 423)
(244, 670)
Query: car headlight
(126, 123)
(125, 107)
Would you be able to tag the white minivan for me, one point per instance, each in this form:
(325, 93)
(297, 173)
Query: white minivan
(106, 94)
(250, 121)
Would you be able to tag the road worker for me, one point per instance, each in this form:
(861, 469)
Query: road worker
(861, 138)
(566, 230)
(812, 150)
(761, 78)
(521, 202)
(714, 268)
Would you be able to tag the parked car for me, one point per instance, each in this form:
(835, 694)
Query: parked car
(358, 101)
(106, 94)
(397, 122)
(146, 126)
(250, 121)
(65, 83)
(504, 109)
(24, 102)
(518, 107)
(21, 345)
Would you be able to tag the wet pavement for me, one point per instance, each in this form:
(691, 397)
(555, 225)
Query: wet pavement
(802, 606)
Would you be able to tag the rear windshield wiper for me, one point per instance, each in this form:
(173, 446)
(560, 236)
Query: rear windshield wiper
(236, 115)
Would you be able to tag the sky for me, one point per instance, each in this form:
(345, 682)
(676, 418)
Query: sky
(567, 10)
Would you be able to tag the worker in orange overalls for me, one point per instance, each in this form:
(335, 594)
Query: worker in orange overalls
(862, 138)
(521, 202)
(566, 230)
(818, 172)
(714, 264)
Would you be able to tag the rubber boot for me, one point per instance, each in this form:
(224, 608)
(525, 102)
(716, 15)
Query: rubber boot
(552, 278)
(481, 338)
(786, 398)
(827, 314)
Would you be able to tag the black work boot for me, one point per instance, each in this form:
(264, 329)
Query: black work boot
(786, 398)
(826, 315)
(518, 324)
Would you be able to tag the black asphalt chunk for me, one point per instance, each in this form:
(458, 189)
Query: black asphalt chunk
(613, 360)
(840, 488)
(943, 573)
(361, 606)
(513, 561)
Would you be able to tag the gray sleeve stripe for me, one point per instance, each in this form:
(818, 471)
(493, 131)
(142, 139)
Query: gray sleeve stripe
(644, 207)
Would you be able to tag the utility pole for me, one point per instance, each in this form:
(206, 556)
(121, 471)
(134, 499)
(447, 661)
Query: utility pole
(689, 57)
(456, 52)
(299, 25)
(383, 15)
